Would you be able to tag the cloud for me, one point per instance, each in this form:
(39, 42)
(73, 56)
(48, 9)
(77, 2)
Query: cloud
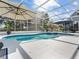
(49, 4)
(75, 3)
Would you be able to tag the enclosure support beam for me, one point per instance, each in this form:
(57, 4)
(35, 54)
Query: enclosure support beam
(36, 23)
(15, 25)
(27, 25)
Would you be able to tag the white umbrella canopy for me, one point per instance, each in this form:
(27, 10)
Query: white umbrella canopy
(16, 12)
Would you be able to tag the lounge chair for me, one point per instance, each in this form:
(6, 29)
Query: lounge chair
(4, 53)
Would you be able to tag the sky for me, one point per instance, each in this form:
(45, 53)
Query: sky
(57, 9)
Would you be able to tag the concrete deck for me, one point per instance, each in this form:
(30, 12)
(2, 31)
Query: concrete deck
(63, 47)
(49, 49)
(68, 39)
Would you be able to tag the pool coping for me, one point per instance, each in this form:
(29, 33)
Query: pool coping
(65, 34)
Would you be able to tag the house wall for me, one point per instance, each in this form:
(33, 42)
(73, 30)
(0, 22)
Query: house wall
(75, 20)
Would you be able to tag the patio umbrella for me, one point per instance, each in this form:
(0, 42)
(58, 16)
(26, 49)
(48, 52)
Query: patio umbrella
(15, 12)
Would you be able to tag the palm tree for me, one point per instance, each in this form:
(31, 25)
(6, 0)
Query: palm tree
(45, 26)
(45, 21)
(8, 26)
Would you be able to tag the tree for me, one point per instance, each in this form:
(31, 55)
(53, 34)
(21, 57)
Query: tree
(55, 27)
(45, 22)
(61, 27)
(45, 26)
(8, 26)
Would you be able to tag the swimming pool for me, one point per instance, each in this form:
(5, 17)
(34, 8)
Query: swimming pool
(32, 36)
(39, 36)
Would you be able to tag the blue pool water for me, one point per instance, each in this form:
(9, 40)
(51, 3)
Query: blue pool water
(32, 36)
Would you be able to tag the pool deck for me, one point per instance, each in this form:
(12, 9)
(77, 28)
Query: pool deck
(63, 47)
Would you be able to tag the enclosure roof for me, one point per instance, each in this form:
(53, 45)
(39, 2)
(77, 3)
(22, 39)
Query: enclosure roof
(26, 9)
